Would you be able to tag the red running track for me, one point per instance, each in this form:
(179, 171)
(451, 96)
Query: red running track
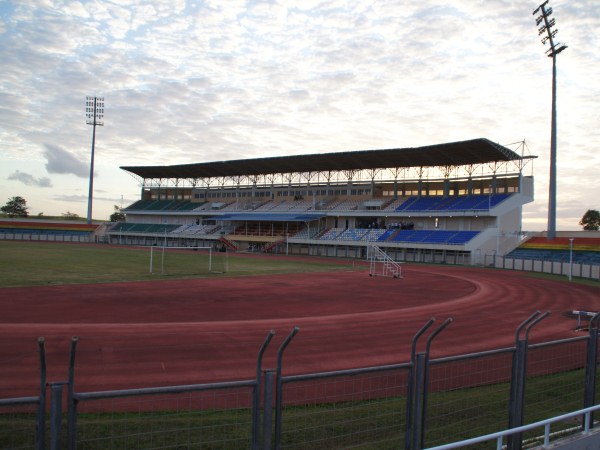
(163, 333)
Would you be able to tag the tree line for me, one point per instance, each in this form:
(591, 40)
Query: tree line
(17, 207)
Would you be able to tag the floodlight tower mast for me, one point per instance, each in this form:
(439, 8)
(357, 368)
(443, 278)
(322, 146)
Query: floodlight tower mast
(94, 113)
(555, 49)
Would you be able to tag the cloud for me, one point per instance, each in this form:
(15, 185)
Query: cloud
(72, 198)
(192, 82)
(61, 161)
(84, 199)
(30, 180)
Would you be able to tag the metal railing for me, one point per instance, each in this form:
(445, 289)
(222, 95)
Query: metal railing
(500, 435)
(421, 403)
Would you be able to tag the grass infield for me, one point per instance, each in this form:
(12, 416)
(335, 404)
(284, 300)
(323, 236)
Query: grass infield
(43, 263)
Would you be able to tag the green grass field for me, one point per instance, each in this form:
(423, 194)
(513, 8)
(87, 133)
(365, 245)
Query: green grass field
(44, 263)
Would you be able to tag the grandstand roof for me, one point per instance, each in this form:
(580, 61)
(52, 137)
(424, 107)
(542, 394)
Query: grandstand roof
(475, 151)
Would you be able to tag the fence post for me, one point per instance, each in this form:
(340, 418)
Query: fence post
(423, 420)
(71, 402)
(412, 386)
(591, 367)
(518, 377)
(56, 390)
(268, 409)
(416, 403)
(40, 435)
(419, 403)
(279, 388)
(256, 393)
(517, 393)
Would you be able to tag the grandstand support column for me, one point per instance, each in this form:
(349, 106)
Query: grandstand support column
(94, 112)
(555, 49)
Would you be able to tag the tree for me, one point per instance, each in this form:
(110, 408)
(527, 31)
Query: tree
(590, 220)
(15, 207)
(70, 216)
(118, 215)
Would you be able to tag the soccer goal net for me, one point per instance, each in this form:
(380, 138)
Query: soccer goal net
(187, 261)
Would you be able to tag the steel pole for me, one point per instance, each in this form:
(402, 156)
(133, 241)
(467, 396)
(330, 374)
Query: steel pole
(91, 189)
(552, 189)
(570, 259)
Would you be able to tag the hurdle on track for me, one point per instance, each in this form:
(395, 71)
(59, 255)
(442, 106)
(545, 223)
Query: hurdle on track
(588, 315)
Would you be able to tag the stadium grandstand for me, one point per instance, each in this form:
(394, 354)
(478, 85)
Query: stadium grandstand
(582, 250)
(446, 203)
(36, 229)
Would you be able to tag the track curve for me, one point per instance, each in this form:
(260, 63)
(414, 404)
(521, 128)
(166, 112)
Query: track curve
(197, 331)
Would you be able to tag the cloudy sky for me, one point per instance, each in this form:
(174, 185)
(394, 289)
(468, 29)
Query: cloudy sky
(198, 81)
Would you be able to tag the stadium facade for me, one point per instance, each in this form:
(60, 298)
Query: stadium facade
(454, 203)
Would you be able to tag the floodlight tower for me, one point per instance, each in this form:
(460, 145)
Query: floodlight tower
(94, 113)
(555, 49)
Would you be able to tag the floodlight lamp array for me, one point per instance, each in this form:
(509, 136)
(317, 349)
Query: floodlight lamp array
(543, 29)
(539, 7)
(555, 48)
(94, 110)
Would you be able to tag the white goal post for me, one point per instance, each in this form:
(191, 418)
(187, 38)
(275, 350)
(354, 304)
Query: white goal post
(185, 260)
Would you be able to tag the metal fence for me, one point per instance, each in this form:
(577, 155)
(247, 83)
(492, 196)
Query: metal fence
(417, 404)
(563, 268)
(52, 237)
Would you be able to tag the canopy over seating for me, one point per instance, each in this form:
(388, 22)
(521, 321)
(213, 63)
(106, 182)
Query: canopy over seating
(475, 151)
